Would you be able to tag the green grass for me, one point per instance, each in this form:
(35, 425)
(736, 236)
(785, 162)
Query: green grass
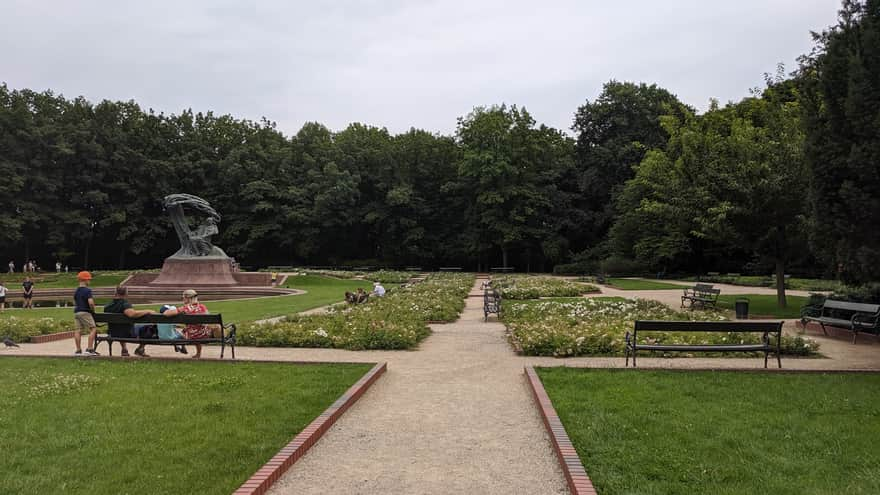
(721, 433)
(49, 280)
(641, 284)
(320, 292)
(765, 305)
(153, 427)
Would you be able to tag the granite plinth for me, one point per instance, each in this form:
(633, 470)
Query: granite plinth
(177, 272)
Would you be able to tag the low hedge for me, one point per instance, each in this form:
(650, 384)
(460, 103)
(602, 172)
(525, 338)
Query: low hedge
(533, 287)
(22, 329)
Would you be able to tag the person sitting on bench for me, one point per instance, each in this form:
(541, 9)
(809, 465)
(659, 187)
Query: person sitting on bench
(168, 331)
(121, 330)
(192, 306)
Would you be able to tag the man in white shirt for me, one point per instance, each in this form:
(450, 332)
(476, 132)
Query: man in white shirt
(378, 290)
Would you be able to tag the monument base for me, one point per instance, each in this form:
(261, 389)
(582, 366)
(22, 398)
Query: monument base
(216, 272)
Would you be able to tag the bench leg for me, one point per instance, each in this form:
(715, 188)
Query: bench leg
(855, 334)
(766, 354)
(823, 328)
(222, 348)
(232, 346)
(109, 347)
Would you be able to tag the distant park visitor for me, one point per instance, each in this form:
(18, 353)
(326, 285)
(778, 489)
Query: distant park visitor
(28, 294)
(378, 290)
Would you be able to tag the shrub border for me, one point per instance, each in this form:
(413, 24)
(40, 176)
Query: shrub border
(260, 482)
(579, 482)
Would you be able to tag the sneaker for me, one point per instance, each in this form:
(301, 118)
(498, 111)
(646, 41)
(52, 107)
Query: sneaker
(92, 352)
(124, 354)
(78, 353)
(140, 352)
(183, 349)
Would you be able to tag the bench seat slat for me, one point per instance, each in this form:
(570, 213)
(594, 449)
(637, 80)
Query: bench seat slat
(702, 348)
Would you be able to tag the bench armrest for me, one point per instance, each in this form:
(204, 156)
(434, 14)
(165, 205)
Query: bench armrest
(864, 319)
(811, 311)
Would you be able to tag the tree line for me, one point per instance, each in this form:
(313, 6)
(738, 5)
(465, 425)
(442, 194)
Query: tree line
(785, 179)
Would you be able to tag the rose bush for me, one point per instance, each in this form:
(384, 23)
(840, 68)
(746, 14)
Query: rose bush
(396, 321)
(596, 327)
(22, 329)
(533, 287)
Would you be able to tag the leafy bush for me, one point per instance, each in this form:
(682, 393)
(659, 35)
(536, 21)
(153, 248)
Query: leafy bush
(533, 287)
(384, 276)
(396, 321)
(596, 327)
(618, 266)
(22, 329)
(576, 268)
(868, 293)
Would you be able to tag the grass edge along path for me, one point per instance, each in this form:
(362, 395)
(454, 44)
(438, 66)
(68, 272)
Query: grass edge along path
(642, 284)
(154, 426)
(765, 306)
(712, 432)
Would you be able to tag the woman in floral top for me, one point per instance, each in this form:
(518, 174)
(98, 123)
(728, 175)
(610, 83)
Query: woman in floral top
(192, 306)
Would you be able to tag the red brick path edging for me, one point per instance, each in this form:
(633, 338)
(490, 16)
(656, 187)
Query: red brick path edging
(575, 474)
(260, 482)
(51, 337)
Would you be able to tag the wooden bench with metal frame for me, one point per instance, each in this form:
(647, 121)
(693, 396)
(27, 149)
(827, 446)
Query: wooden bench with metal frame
(766, 328)
(844, 314)
(700, 294)
(227, 332)
(491, 302)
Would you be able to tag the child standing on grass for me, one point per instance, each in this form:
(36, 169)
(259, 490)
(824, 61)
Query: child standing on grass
(83, 311)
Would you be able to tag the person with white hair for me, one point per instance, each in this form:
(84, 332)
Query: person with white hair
(378, 290)
(192, 306)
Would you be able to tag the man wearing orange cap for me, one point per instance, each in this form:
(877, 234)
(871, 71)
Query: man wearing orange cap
(83, 311)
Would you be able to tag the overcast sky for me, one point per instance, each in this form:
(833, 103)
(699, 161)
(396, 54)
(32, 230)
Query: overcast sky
(397, 64)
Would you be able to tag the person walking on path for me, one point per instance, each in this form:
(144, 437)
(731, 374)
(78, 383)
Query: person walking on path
(2, 297)
(28, 294)
(11, 267)
(83, 314)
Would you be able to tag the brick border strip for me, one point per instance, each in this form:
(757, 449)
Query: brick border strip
(260, 482)
(51, 337)
(578, 481)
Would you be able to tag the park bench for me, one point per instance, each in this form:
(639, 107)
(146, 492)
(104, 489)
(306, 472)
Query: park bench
(227, 332)
(764, 327)
(843, 314)
(491, 302)
(502, 269)
(700, 294)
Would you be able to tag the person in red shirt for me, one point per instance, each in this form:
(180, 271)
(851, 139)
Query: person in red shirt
(192, 306)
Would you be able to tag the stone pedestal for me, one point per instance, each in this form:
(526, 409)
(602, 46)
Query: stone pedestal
(195, 272)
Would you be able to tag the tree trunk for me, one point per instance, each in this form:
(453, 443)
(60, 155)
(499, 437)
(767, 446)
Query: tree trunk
(780, 283)
(504, 257)
(122, 258)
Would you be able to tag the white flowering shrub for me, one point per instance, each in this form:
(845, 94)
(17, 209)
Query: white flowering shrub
(22, 329)
(596, 327)
(396, 321)
(536, 286)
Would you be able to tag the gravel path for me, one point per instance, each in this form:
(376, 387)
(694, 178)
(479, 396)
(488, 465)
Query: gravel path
(453, 417)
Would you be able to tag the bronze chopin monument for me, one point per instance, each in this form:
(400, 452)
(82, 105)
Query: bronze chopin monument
(197, 262)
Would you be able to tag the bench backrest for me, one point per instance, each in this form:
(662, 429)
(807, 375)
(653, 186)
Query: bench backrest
(850, 306)
(708, 326)
(119, 318)
(703, 288)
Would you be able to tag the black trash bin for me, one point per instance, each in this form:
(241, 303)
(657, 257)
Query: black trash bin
(742, 308)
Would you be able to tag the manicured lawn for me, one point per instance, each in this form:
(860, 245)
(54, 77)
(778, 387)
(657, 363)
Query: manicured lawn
(765, 305)
(641, 284)
(96, 426)
(51, 280)
(661, 432)
(320, 291)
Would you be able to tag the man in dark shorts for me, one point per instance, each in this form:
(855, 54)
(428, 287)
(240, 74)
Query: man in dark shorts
(28, 295)
(126, 330)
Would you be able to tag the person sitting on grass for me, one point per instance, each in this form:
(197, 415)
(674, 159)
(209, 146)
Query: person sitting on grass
(361, 296)
(192, 306)
(350, 297)
(126, 330)
(378, 290)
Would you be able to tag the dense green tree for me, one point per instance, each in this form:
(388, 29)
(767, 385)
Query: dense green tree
(841, 99)
(613, 134)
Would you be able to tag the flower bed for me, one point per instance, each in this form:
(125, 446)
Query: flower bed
(596, 327)
(22, 329)
(533, 287)
(384, 276)
(396, 321)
